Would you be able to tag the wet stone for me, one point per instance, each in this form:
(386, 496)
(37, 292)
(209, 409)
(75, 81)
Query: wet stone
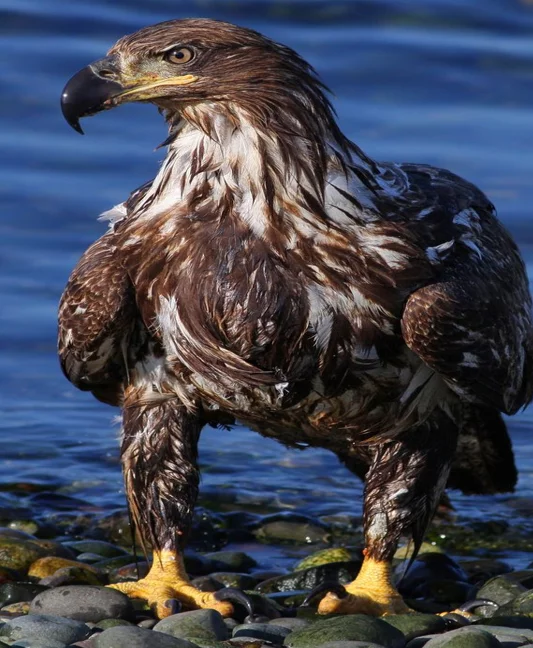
(131, 571)
(45, 628)
(88, 558)
(467, 637)
(264, 631)
(49, 565)
(98, 547)
(17, 609)
(15, 592)
(54, 548)
(38, 643)
(19, 554)
(234, 579)
(104, 624)
(237, 561)
(501, 590)
(307, 579)
(349, 644)
(73, 576)
(324, 557)
(525, 622)
(354, 627)
(415, 625)
(202, 627)
(207, 584)
(291, 528)
(426, 570)
(510, 636)
(482, 569)
(291, 623)
(83, 603)
(135, 637)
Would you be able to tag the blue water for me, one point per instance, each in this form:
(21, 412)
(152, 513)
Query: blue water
(446, 82)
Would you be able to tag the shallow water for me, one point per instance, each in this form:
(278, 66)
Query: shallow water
(446, 82)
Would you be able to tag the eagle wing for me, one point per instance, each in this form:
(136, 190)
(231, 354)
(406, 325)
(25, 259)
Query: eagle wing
(472, 324)
(97, 315)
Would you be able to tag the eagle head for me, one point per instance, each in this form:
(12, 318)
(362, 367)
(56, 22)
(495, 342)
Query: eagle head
(181, 62)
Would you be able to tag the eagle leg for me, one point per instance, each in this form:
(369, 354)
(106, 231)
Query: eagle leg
(403, 486)
(159, 461)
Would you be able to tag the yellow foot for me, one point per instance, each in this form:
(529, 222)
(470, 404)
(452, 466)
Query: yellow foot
(363, 601)
(167, 580)
(372, 592)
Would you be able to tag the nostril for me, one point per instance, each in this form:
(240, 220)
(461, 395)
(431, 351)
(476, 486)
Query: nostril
(107, 74)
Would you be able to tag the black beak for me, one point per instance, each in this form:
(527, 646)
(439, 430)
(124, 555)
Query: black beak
(89, 90)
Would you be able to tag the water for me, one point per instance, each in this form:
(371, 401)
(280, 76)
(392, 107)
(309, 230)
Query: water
(446, 82)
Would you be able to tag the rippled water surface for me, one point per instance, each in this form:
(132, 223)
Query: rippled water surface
(447, 82)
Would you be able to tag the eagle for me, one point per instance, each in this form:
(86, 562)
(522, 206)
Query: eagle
(274, 274)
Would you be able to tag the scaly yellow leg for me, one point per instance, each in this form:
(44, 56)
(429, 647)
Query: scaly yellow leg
(372, 592)
(167, 579)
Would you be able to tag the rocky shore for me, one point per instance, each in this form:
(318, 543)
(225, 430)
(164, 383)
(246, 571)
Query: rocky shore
(53, 573)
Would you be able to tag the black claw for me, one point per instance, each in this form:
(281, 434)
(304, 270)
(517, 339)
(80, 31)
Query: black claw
(335, 588)
(233, 595)
(173, 605)
(455, 620)
(472, 605)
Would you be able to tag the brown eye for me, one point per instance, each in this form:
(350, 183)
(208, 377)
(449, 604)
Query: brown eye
(179, 55)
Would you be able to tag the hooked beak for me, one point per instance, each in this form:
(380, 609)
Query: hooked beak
(90, 91)
(101, 86)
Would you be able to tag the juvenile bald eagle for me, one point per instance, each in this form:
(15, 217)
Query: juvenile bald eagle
(274, 274)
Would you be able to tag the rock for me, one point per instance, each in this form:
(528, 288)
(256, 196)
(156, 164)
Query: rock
(291, 528)
(292, 598)
(134, 637)
(17, 609)
(104, 624)
(48, 566)
(131, 571)
(406, 551)
(202, 627)
(207, 584)
(482, 569)
(501, 590)
(307, 579)
(19, 554)
(415, 625)
(83, 603)
(38, 643)
(349, 644)
(15, 592)
(356, 627)
(292, 623)
(525, 622)
(522, 576)
(234, 579)
(200, 565)
(44, 627)
(236, 561)
(73, 576)
(89, 558)
(8, 532)
(208, 531)
(54, 548)
(8, 575)
(427, 569)
(98, 547)
(467, 637)
(522, 604)
(325, 557)
(509, 636)
(264, 631)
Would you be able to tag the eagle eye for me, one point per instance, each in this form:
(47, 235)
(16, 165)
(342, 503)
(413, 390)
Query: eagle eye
(179, 55)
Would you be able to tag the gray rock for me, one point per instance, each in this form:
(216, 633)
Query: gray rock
(202, 627)
(509, 636)
(99, 547)
(134, 637)
(83, 603)
(353, 627)
(292, 623)
(415, 625)
(44, 627)
(522, 604)
(307, 579)
(466, 637)
(481, 569)
(38, 643)
(501, 590)
(264, 631)
(234, 579)
(349, 644)
(16, 592)
(525, 622)
(293, 528)
(233, 560)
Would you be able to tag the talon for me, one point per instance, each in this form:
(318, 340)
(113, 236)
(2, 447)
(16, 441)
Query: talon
(472, 605)
(235, 595)
(327, 587)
